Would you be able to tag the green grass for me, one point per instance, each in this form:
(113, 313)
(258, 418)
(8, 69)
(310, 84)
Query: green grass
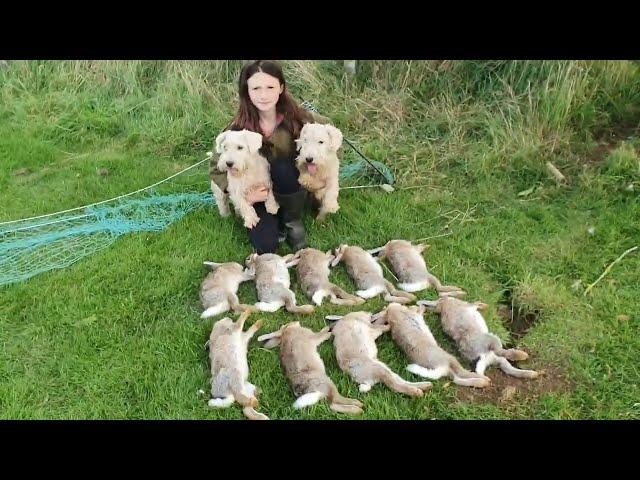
(118, 334)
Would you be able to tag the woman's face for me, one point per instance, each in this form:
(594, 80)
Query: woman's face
(264, 91)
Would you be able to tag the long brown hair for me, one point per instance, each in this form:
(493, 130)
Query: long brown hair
(247, 117)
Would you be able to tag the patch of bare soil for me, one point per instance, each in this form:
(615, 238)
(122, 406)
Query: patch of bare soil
(506, 390)
(610, 140)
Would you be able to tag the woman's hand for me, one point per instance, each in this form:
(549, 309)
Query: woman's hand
(258, 195)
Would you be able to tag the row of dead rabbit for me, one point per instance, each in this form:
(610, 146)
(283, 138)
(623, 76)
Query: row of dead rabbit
(353, 334)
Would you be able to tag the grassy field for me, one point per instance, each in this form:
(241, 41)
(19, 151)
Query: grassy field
(118, 335)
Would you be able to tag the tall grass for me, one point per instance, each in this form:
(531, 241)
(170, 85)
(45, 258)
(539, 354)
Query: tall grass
(536, 105)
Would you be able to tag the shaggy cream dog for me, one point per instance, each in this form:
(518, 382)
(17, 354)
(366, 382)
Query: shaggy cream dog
(319, 164)
(247, 170)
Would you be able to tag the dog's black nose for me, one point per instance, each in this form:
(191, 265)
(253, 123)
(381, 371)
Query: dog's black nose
(309, 159)
(229, 164)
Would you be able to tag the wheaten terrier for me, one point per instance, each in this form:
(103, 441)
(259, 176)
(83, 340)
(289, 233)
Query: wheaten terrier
(319, 164)
(247, 170)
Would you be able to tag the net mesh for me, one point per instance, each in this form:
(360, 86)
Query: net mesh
(32, 246)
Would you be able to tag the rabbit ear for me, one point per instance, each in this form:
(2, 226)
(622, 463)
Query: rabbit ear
(375, 251)
(268, 336)
(430, 305)
(454, 294)
(212, 265)
(250, 259)
(249, 273)
(482, 307)
(293, 263)
(330, 256)
(339, 253)
(272, 342)
(421, 247)
(219, 139)
(273, 339)
(379, 317)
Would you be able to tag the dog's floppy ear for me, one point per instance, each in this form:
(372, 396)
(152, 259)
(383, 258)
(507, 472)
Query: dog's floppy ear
(335, 137)
(299, 139)
(219, 139)
(253, 139)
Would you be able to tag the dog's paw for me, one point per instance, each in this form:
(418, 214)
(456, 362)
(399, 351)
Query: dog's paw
(332, 208)
(251, 222)
(326, 210)
(272, 207)
(223, 207)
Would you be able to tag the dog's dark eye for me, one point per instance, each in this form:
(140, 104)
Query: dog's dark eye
(320, 142)
(240, 147)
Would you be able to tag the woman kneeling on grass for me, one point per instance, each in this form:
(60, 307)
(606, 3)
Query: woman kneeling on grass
(267, 108)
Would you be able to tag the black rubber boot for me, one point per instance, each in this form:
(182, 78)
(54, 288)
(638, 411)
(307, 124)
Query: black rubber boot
(290, 215)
